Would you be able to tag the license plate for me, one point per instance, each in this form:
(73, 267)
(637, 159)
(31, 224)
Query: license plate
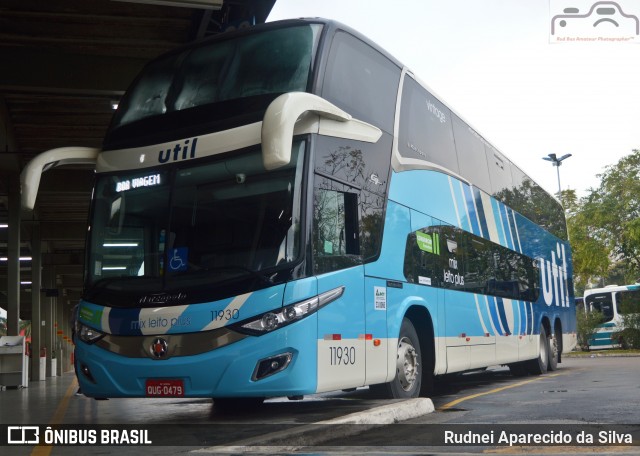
(164, 388)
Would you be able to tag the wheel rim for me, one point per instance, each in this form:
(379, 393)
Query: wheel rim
(543, 349)
(407, 364)
(553, 345)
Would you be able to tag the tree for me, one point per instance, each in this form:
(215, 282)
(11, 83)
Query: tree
(587, 326)
(590, 255)
(604, 226)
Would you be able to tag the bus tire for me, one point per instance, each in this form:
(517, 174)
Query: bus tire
(408, 379)
(554, 354)
(540, 365)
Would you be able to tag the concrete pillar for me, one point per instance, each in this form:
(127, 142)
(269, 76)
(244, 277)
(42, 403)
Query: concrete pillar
(68, 346)
(47, 313)
(36, 316)
(13, 257)
(61, 350)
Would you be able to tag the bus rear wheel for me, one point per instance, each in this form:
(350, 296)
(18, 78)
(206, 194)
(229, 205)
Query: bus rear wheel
(540, 365)
(408, 379)
(554, 353)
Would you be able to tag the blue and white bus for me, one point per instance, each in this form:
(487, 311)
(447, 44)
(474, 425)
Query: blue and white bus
(287, 210)
(611, 302)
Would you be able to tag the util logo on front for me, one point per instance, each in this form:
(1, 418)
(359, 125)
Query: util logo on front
(555, 285)
(179, 152)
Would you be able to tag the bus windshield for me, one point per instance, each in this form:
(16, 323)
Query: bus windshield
(191, 226)
(247, 66)
(601, 303)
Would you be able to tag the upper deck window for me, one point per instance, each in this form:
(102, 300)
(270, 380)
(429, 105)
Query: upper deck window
(362, 81)
(270, 62)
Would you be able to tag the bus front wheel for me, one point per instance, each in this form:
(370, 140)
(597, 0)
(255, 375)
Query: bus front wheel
(408, 379)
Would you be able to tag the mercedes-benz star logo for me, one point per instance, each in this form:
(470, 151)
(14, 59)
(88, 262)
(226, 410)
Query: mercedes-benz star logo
(159, 348)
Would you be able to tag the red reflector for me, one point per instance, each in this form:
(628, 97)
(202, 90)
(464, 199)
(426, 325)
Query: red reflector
(332, 337)
(376, 342)
(368, 337)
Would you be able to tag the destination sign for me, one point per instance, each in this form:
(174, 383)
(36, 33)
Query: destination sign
(138, 182)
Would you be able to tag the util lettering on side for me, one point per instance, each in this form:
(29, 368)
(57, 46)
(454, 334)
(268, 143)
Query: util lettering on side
(555, 287)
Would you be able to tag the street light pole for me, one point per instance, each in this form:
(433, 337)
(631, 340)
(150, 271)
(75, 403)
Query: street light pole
(557, 162)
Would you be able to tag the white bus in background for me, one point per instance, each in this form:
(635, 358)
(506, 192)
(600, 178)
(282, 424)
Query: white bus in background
(610, 301)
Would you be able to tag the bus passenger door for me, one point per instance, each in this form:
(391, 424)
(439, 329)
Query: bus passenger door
(341, 323)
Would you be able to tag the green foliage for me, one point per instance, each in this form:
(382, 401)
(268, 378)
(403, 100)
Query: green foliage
(630, 336)
(587, 325)
(590, 254)
(604, 226)
(537, 205)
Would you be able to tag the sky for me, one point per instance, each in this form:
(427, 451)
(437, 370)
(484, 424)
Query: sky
(494, 62)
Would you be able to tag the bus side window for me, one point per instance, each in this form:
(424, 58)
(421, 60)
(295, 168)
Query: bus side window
(479, 264)
(421, 261)
(452, 258)
(335, 237)
(628, 302)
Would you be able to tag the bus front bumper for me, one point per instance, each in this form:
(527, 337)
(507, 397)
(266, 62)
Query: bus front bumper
(283, 362)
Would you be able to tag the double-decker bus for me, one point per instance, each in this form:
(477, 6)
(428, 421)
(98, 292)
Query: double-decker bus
(612, 302)
(287, 210)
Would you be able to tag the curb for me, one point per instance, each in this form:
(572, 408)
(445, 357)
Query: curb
(589, 355)
(387, 414)
(322, 431)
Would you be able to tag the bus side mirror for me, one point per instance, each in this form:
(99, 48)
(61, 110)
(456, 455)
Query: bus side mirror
(32, 173)
(285, 111)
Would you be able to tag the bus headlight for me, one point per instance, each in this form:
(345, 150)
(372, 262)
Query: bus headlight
(89, 335)
(276, 319)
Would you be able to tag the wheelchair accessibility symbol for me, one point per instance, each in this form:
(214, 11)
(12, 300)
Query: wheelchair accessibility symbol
(178, 259)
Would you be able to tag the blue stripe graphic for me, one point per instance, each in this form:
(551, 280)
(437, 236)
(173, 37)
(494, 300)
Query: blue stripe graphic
(496, 217)
(503, 316)
(460, 205)
(473, 216)
(524, 318)
(481, 214)
(515, 307)
(494, 315)
(514, 229)
(504, 219)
